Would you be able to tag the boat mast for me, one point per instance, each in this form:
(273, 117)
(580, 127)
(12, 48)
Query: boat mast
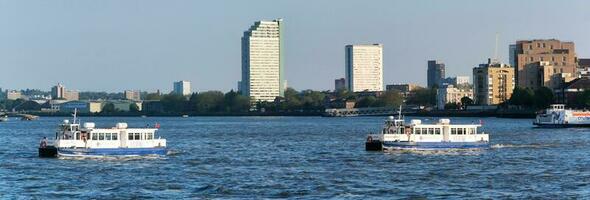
(399, 114)
(75, 112)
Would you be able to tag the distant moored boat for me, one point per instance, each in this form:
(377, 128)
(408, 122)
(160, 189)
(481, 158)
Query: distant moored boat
(557, 116)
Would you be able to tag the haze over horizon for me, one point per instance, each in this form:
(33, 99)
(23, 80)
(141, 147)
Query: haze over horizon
(146, 45)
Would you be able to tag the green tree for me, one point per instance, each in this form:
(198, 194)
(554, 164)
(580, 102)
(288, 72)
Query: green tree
(312, 100)
(152, 96)
(235, 102)
(174, 103)
(108, 108)
(210, 101)
(30, 106)
(582, 100)
(543, 97)
(366, 102)
(522, 97)
(423, 96)
(390, 99)
(466, 101)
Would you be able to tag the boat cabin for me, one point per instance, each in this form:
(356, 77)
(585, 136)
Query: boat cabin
(88, 136)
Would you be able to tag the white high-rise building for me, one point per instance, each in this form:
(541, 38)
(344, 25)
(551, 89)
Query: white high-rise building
(182, 87)
(263, 61)
(364, 67)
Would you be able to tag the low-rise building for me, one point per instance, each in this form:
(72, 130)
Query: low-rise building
(451, 94)
(152, 106)
(82, 106)
(571, 90)
(13, 95)
(132, 95)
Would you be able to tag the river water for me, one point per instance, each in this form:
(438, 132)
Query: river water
(299, 157)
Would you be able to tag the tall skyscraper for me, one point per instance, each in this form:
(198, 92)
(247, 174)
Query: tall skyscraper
(339, 84)
(493, 83)
(529, 56)
(435, 73)
(364, 67)
(263, 61)
(182, 87)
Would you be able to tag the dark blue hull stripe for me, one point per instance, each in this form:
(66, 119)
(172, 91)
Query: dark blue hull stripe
(436, 145)
(112, 151)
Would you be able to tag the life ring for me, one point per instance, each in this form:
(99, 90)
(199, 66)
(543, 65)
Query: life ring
(369, 139)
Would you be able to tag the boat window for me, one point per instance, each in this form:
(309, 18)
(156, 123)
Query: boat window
(401, 130)
(137, 136)
(149, 136)
(108, 136)
(430, 131)
(437, 131)
(115, 136)
(78, 136)
(101, 136)
(460, 131)
(94, 136)
(129, 136)
(453, 131)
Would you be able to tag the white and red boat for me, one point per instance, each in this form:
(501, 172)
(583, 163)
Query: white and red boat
(557, 116)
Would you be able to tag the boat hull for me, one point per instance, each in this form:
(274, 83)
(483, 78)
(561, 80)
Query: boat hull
(434, 145)
(548, 125)
(101, 152)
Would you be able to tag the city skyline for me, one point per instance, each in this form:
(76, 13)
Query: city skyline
(167, 42)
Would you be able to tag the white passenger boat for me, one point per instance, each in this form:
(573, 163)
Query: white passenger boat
(72, 140)
(396, 135)
(3, 118)
(558, 116)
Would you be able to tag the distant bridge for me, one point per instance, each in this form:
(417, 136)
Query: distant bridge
(377, 111)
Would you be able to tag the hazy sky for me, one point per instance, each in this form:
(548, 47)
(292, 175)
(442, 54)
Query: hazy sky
(112, 45)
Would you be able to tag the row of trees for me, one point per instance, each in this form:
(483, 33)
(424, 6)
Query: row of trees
(204, 102)
(387, 99)
(527, 98)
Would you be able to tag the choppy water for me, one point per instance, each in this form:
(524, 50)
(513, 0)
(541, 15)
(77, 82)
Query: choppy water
(299, 157)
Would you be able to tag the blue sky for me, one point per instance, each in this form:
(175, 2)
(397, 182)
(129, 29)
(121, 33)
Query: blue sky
(112, 45)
